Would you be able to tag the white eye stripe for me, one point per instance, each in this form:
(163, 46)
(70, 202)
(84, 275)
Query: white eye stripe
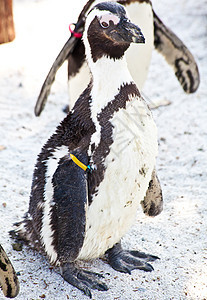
(105, 20)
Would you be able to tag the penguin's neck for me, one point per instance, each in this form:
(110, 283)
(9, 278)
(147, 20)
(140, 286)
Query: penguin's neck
(108, 76)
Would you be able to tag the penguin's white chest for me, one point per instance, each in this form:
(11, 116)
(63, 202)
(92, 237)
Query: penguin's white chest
(129, 166)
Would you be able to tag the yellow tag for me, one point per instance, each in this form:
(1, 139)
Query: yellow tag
(78, 162)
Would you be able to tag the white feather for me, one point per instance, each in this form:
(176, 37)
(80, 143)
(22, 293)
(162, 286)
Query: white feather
(102, 79)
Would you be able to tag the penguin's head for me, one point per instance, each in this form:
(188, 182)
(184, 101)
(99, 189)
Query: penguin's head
(109, 32)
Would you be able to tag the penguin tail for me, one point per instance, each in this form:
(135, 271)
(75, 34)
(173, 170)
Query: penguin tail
(25, 233)
(19, 232)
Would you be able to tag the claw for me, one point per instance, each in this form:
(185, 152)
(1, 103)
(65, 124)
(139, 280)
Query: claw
(127, 270)
(144, 256)
(87, 292)
(103, 287)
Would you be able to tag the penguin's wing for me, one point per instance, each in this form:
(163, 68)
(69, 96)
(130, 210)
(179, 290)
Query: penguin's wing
(8, 278)
(70, 46)
(153, 202)
(70, 196)
(177, 55)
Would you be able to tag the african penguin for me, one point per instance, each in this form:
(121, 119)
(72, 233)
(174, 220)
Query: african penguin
(156, 35)
(99, 165)
(8, 277)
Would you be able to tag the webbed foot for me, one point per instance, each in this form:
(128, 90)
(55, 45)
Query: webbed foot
(125, 260)
(82, 279)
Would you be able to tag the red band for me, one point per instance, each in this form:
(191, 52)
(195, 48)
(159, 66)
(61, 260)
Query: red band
(78, 35)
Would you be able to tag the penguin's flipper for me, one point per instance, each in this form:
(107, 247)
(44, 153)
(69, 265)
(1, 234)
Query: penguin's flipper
(127, 260)
(70, 198)
(8, 278)
(45, 90)
(153, 201)
(177, 55)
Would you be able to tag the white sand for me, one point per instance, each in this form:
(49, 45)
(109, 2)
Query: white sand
(179, 235)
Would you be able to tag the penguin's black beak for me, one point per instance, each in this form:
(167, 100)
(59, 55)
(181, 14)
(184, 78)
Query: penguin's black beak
(127, 32)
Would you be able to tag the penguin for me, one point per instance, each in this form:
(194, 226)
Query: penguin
(97, 167)
(8, 278)
(157, 36)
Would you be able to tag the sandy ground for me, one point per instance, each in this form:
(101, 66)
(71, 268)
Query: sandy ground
(178, 235)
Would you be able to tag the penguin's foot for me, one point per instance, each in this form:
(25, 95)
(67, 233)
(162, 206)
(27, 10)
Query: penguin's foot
(125, 260)
(82, 279)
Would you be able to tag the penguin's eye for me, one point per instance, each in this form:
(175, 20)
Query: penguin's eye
(104, 24)
(105, 20)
